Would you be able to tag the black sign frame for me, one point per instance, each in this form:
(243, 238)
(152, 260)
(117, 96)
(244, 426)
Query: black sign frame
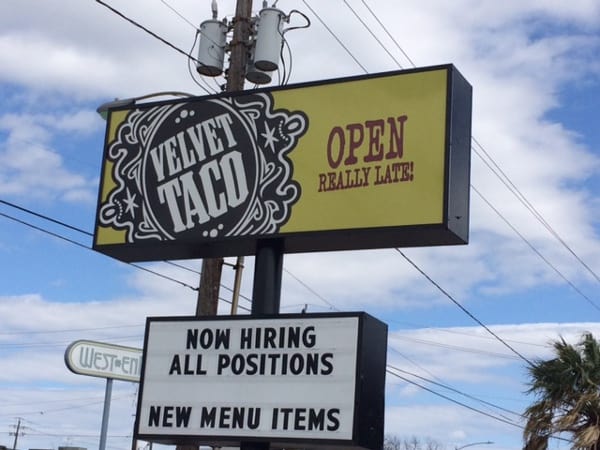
(453, 229)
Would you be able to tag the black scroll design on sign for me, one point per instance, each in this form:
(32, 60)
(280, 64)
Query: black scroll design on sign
(120, 211)
(277, 133)
(209, 169)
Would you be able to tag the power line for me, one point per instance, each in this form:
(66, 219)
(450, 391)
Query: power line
(335, 37)
(187, 268)
(457, 391)
(72, 330)
(450, 399)
(42, 216)
(197, 272)
(389, 34)
(43, 230)
(71, 241)
(503, 177)
(462, 333)
(364, 24)
(536, 251)
(164, 2)
(311, 290)
(142, 27)
(475, 351)
(63, 343)
(465, 310)
(89, 248)
(66, 408)
(151, 33)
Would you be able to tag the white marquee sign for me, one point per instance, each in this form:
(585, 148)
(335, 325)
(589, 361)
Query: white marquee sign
(271, 379)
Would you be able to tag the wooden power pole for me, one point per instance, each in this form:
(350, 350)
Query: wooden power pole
(210, 278)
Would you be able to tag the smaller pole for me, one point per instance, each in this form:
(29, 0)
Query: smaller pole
(17, 433)
(104, 429)
(237, 284)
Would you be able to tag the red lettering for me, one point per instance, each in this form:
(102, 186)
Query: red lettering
(335, 162)
(357, 136)
(396, 137)
(347, 144)
(375, 146)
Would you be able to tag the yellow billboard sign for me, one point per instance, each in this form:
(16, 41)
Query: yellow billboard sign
(363, 162)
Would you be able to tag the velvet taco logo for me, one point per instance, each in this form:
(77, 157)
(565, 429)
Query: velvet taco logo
(217, 168)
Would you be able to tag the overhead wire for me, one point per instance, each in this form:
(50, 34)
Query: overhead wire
(47, 218)
(311, 290)
(142, 27)
(72, 241)
(137, 266)
(287, 71)
(136, 337)
(456, 391)
(197, 272)
(391, 371)
(185, 19)
(339, 41)
(66, 408)
(390, 35)
(492, 354)
(150, 32)
(364, 24)
(535, 250)
(462, 308)
(459, 348)
(79, 244)
(70, 330)
(504, 178)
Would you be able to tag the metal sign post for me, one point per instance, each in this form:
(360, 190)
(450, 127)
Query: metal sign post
(105, 414)
(99, 359)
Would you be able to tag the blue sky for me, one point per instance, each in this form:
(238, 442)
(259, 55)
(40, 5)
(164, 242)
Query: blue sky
(535, 73)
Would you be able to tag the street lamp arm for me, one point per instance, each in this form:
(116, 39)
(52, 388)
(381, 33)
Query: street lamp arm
(473, 443)
(104, 107)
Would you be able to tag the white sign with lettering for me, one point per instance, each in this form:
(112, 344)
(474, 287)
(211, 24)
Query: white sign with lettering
(104, 360)
(264, 378)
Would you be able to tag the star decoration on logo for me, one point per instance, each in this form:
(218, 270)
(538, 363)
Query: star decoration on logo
(270, 138)
(130, 204)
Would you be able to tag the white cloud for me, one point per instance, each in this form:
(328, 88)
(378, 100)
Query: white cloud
(30, 166)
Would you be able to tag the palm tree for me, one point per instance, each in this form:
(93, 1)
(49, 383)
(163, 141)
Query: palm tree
(567, 396)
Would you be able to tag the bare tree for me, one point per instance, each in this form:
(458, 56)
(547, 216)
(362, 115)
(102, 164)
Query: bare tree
(393, 442)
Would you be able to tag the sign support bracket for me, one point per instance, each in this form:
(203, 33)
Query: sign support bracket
(266, 294)
(268, 269)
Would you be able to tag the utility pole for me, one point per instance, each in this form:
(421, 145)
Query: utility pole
(210, 278)
(17, 433)
(239, 45)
